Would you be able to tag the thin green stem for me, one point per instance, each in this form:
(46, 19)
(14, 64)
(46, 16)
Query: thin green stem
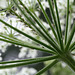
(56, 48)
(26, 23)
(24, 44)
(70, 38)
(48, 20)
(58, 19)
(69, 61)
(44, 36)
(72, 45)
(73, 48)
(69, 24)
(27, 35)
(67, 19)
(40, 21)
(56, 25)
(28, 18)
(57, 14)
(25, 60)
(25, 63)
(50, 41)
(47, 67)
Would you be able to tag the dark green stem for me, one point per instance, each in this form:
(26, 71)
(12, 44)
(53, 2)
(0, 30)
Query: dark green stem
(25, 60)
(47, 67)
(25, 63)
(67, 58)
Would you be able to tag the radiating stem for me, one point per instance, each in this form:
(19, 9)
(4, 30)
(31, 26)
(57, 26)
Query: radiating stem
(25, 44)
(67, 58)
(50, 40)
(72, 45)
(48, 20)
(26, 35)
(24, 60)
(26, 23)
(72, 48)
(47, 67)
(67, 19)
(70, 37)
(57, 14)
(24, 63)
(56, 25)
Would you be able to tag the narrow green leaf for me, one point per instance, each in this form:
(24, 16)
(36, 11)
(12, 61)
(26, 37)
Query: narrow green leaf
(27, 35)
(44, 36)
(24, 44)
(72, 45)
(68, 59)
(56, 25)
(26, 23)
(69, 23)
(67, 18)
(70, 37)
(48, 39)
(28, 18)
(72, 49)
(56, 48)
(47, 67)
(47, 18)
(25, 63)
(25, 60)
(58, 19)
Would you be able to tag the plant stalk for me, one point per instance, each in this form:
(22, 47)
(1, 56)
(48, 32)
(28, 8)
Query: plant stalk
(68, 59)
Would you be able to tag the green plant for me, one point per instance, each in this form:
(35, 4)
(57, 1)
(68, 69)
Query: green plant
(59, 47)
